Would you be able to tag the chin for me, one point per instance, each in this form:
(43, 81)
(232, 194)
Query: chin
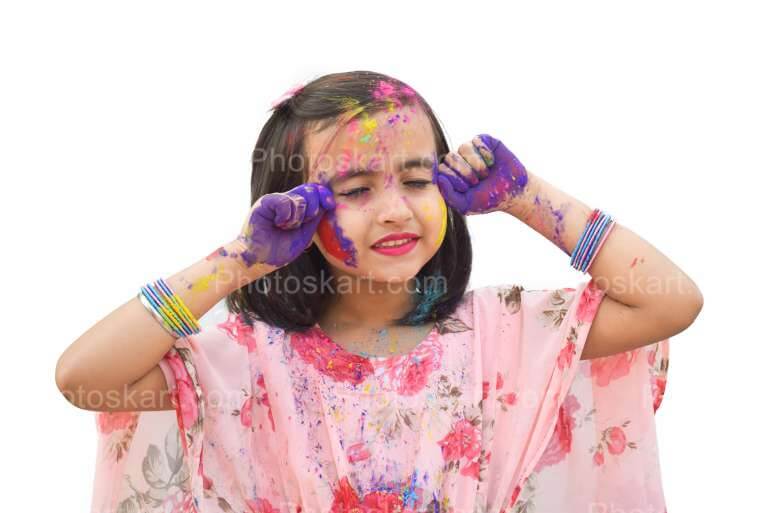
(376, 270)
(394, 275)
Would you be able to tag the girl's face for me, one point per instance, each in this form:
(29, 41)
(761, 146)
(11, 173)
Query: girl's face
(379, 167)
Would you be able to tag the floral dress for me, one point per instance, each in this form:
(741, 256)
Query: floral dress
(492, 412)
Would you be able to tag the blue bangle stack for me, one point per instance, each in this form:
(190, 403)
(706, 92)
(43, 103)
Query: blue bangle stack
(168, 309)
(591, 240)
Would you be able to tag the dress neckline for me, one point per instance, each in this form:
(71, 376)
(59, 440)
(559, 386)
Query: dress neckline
(379, 358)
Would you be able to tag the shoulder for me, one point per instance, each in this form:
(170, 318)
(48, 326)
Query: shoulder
(513, 295)
(514, 298)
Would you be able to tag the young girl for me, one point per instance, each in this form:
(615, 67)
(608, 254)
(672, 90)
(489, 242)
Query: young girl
(352, 370)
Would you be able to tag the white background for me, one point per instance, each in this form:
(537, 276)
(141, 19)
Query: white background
(126, 132)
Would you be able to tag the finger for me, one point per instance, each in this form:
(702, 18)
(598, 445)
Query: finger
(461, 167)
(488, 146)
(309, 193)
(457, 181)
(285, 211)
(313, 203)
(484, 151)
(471, 155)
(326, 197)
(267, 207)
(453, 198)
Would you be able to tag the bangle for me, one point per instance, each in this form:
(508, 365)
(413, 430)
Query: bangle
(168, 309)
(597, 229)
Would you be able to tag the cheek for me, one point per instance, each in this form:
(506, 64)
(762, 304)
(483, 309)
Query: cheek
(334, 240)
(435, 215)
(442, 230)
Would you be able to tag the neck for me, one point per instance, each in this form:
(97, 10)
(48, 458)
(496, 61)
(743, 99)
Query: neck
(363, 302)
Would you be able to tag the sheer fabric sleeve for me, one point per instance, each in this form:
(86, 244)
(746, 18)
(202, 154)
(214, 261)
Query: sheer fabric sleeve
(533, 340)
(198, 456)
(145, 458)
(603, 451)
(569, 434)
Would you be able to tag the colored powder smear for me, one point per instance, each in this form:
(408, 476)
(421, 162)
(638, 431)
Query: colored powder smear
(202, 284)
(555, 218)
(442, 231)
(334, 241)
(368, 127)
(429, 296)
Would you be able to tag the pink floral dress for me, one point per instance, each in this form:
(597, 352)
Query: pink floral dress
(492, 412)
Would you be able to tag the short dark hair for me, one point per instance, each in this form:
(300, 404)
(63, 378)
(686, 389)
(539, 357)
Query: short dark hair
(323, 101)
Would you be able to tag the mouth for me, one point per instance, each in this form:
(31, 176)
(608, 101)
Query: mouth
(395, 247)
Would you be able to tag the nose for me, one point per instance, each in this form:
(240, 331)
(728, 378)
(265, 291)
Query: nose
(393, 207)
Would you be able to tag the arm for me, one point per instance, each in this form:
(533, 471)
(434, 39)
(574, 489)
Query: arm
(114, 365)
(648, 298)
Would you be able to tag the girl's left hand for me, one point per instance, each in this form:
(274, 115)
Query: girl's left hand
(481, 177)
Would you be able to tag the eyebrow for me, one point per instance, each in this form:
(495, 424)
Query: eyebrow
(403, 166)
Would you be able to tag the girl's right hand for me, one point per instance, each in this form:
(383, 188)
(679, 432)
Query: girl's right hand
(281, 225)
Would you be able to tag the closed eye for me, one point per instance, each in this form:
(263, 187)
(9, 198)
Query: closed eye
(353, 193)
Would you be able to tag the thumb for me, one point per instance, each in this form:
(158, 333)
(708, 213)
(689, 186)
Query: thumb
(453, 198)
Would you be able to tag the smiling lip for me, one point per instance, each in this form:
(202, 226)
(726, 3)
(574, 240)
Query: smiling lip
(409, 242)
(396, 236)
(397, 250)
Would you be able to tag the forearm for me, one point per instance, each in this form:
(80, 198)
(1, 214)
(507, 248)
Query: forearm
(628, 268)
(126, 344)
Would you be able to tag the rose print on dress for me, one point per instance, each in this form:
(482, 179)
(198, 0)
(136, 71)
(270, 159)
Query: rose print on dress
(238, 330)
(606, 369)
(505, 399)
(462, 445)
(123, 425)
(394, 499)
(613, 441)
(186, 396)
(658, 385)
(560, 443)
(590, 300)
(569, 351)
(408, 374)
(327, 358)
(658, 365)
(522, 500)
(107, 422)
(261, 506)
(259, 399)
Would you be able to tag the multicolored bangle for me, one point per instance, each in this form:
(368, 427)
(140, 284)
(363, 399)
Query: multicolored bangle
(594, 235)
(168, 309)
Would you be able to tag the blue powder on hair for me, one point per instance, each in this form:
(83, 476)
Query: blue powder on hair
(427, 299)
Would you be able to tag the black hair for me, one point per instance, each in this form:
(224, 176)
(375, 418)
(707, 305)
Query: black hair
(443, 278)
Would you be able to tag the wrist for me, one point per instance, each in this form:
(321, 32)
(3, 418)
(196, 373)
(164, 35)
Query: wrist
(521, 205)
(243, 273)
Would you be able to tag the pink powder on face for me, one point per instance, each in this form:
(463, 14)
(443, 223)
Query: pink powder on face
(343, 162)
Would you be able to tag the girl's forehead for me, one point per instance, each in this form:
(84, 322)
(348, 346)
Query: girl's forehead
(368, 140)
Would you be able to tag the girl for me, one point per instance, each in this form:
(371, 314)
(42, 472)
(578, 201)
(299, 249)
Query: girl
(352, 370)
